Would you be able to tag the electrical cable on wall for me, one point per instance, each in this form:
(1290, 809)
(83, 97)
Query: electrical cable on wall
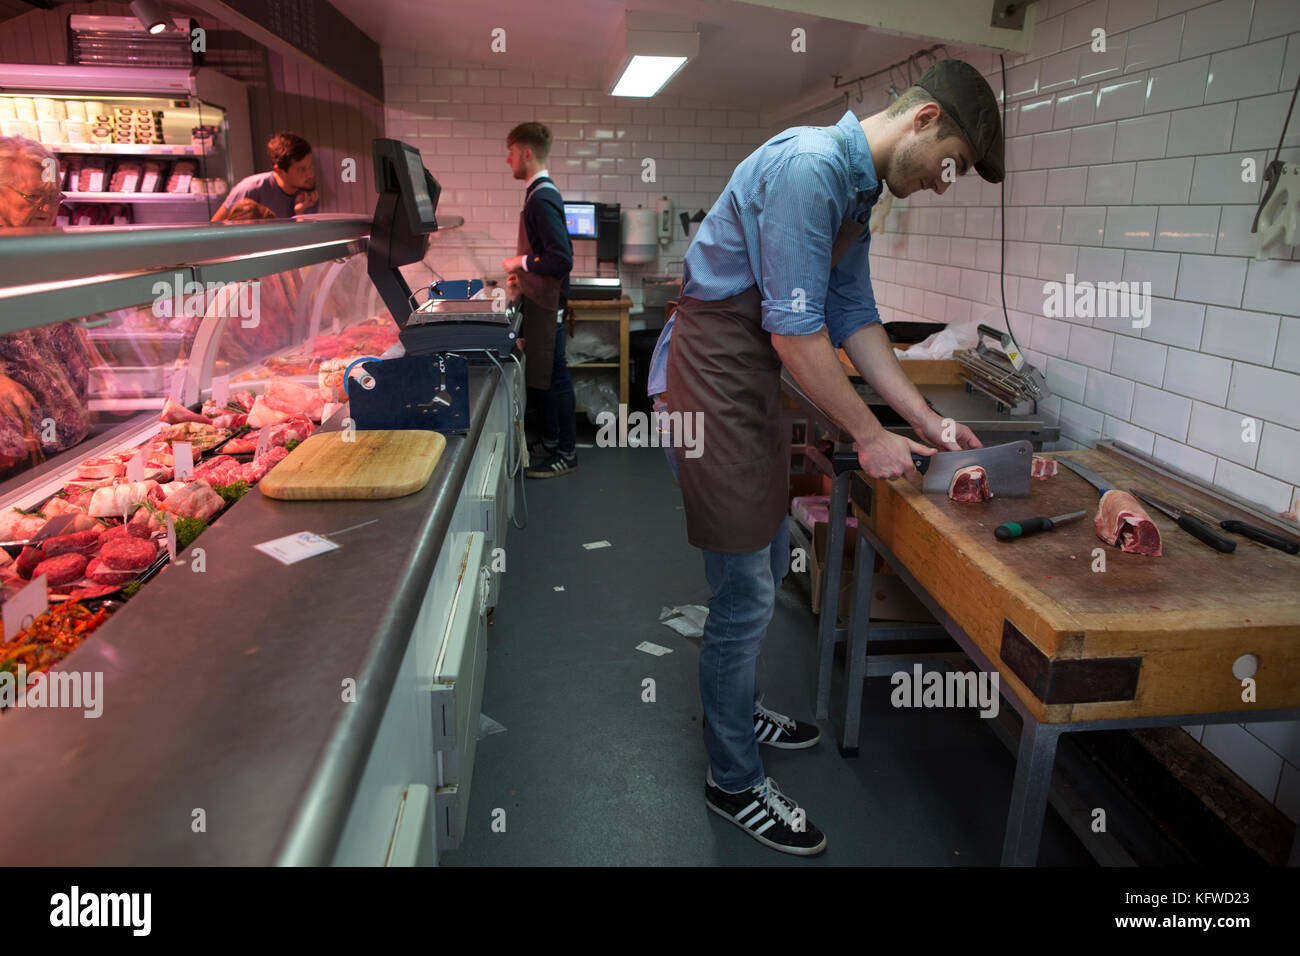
(1002, 205)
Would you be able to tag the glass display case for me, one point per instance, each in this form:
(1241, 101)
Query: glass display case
(222, 355)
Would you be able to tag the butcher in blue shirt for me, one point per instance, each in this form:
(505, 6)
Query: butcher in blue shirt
(778, 275)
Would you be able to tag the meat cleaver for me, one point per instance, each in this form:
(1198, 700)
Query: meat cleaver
(1009, 468)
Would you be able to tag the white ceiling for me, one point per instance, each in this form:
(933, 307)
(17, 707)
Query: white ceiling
(745, 60)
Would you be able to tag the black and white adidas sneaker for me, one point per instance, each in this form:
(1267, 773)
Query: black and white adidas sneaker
(778, 730)
(768, 815)
(552, 467)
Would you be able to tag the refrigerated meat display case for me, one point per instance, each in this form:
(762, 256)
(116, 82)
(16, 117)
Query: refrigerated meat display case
(253, 712)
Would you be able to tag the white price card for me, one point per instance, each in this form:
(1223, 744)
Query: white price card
(295, 547)
(135, 467)
(220, 390)
(182, 459)
(25, 606)
(171, 537)
(654, 649)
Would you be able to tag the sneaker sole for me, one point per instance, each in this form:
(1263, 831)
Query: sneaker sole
(793, 746)
(550, 474)
(792, 850)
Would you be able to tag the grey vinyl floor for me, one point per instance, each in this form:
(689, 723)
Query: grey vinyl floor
(589, 774)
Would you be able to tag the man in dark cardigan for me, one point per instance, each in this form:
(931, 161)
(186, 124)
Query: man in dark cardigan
(540, 273)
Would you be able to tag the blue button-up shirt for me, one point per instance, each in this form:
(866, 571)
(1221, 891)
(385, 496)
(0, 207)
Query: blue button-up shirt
(773, 226)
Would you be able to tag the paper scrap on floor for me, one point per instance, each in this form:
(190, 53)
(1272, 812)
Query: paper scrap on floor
(654, 649)
(687, 620)
(487, 726)
(593, 545)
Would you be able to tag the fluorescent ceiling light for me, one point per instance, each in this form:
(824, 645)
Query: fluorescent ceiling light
(646, 75)
(655, 47)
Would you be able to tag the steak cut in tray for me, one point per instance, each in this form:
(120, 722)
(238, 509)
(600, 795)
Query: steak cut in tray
(1122, 523)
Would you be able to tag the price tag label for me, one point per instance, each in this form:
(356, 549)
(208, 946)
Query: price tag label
(171, 537)
(25, 606)
(263, 442)
(182, 459)
(135, 467)
(295, 547)
(221, 390)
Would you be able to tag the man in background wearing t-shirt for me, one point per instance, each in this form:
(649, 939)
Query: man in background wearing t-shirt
(288, 190)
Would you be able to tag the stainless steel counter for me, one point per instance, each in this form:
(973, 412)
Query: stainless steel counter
(223, 689)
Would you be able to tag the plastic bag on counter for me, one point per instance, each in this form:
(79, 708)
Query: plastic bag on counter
(594, 393)
(942, 344)
(592, 342)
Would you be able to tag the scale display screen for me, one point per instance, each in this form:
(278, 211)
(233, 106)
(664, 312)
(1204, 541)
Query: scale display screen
(580, 219)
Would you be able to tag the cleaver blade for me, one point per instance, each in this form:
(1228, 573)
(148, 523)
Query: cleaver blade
(1009, 468)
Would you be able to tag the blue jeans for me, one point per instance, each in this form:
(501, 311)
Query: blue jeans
(744, 600)
(559, 419)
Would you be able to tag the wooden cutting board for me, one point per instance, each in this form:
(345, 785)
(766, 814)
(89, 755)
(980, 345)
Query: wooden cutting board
(375, 464)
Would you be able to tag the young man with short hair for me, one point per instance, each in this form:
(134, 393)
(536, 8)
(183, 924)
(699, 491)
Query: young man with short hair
(778, 275)
(540, 274)
(288, 190)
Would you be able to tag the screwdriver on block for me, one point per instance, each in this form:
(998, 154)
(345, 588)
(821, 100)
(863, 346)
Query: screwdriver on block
(1022, 529)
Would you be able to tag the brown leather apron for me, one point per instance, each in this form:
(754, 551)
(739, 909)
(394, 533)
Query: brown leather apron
(541, 303)
(721, 363)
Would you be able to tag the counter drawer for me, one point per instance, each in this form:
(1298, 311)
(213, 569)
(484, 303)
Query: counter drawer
(455, 684)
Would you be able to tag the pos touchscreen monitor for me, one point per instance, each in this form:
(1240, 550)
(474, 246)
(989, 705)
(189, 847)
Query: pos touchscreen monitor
(405, 214)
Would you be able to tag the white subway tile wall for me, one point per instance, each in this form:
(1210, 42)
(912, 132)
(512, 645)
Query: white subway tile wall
(1140, 162)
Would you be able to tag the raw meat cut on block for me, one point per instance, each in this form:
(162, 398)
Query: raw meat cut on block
(1121, 522)
(969, 484)
(101, 468)
(1044, 467)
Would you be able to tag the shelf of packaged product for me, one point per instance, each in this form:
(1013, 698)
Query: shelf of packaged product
(128, 149)
(593, 365)
(607, 310)
(140, 197)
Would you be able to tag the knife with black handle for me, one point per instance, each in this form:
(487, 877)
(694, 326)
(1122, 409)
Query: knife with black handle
(1254, 532)
(1193, 526)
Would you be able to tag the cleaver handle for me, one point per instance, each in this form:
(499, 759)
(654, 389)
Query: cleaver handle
(921, 463)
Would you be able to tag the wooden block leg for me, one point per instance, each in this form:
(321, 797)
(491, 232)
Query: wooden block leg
(864, 569)
(829, 618)
(1029, 793)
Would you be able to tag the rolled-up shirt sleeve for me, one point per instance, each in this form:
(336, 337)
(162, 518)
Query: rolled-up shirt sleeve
(850, 301)
(797, 220)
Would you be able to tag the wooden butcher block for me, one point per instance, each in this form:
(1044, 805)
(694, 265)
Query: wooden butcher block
(1147, 636)
(375, 464)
